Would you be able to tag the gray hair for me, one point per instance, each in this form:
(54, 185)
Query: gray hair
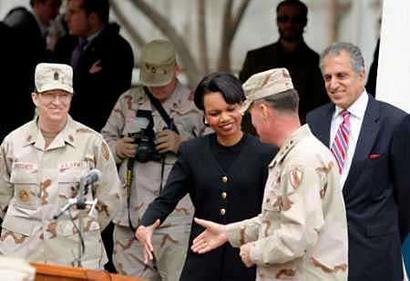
(354, 52)
(286, 101)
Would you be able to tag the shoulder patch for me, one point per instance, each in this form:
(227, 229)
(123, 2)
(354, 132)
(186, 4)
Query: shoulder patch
(295, 177)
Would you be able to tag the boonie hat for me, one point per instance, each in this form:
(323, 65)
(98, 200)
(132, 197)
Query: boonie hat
(265, 84)
(158, 63)
(53, 76)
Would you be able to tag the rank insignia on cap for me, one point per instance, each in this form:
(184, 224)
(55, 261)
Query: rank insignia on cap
(53, 76)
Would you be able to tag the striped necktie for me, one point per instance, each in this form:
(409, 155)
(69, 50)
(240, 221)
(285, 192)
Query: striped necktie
(341, 141)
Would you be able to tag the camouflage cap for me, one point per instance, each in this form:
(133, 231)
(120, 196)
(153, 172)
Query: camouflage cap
(53, 76)
(158, 63)
(265, 84)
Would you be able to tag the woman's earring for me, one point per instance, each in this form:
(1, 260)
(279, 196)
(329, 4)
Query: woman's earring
(205, 121)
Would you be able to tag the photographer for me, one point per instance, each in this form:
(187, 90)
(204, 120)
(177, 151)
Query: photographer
(144, 131)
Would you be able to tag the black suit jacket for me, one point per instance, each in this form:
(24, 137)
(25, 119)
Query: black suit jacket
(198, 173)
(32, 46)
(102, 74)
(25, 47)
(303, 67)
(401, 160)
(370, 192)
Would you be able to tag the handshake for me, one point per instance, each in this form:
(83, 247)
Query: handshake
(214, 236)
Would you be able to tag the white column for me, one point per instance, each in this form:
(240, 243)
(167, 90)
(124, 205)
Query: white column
(393, 81)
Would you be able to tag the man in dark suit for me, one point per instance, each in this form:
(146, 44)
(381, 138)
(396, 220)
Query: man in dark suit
(291, 52)
(23, 47)
(31, 28)
(359, 131)
(101, 58)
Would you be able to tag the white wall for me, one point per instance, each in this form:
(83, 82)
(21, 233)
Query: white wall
(393, 84)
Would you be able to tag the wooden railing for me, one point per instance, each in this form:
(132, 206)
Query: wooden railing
(47, 272)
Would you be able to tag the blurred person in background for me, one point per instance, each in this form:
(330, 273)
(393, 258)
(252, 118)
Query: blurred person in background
(292, 53)
(101, 58)
(27, 46)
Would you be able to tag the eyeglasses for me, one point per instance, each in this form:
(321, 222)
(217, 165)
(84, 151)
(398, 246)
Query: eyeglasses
(297, 19)
(49, 97)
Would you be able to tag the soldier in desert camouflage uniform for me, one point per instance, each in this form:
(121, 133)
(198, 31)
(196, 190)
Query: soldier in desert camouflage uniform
(301, 234)
(42, 163)
(158, 76)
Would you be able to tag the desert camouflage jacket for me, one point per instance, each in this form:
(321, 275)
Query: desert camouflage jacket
(301, 233)
(36, 182)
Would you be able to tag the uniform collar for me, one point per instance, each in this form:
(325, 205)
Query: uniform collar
(34, 136)
(175, 99)
(290, 143)
(175, 102)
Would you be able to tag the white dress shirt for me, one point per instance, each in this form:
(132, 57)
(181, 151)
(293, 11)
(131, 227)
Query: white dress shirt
(357, 111)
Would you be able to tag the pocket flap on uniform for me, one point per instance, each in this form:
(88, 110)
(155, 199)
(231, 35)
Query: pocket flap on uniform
(24, 173)
(72, 171)
(19, 225)
(70, 176)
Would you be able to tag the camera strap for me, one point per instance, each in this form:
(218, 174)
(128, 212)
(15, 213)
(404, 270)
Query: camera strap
(129, 178)
(170, 125)
(130, 165)
(157, 104)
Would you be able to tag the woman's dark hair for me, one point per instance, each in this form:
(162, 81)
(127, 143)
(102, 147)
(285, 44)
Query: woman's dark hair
(228, 85)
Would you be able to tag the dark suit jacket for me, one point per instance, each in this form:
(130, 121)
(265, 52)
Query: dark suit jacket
(370, 192)
(103, 73)
(16, 97)
(199, 174)
(303, 67)
(401, 160)
(25, 47)
(32, 43)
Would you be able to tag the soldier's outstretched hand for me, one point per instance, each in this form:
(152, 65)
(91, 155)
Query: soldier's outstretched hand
(212, 237)
(144, 235)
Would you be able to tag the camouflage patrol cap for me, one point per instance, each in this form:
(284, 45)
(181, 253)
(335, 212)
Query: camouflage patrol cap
(53, 76)
(158, 63)
(265, 84)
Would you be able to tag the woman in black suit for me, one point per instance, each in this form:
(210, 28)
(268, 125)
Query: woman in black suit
(224, 174)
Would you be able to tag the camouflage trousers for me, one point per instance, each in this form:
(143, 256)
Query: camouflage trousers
(170, 249)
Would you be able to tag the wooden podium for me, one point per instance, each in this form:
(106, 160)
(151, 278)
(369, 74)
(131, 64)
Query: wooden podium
(48, 272)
